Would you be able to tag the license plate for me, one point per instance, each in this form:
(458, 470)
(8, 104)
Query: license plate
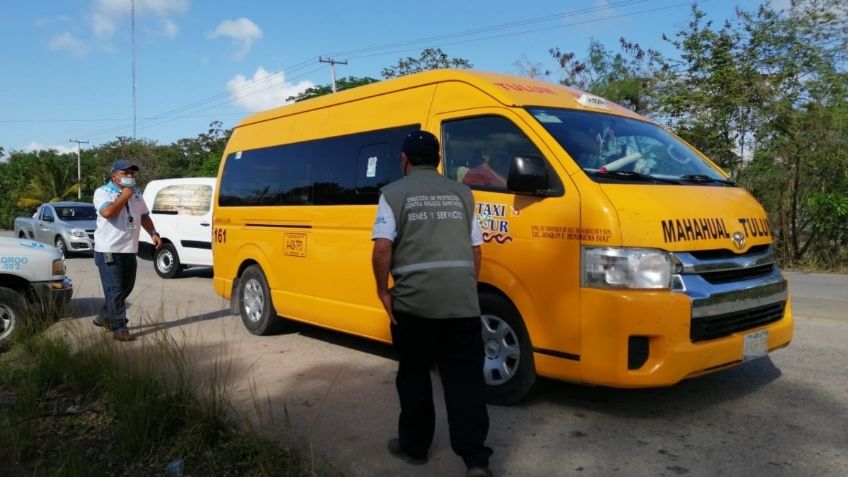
(755, 345)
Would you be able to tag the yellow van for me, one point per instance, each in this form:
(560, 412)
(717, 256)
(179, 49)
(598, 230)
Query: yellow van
(615, 254)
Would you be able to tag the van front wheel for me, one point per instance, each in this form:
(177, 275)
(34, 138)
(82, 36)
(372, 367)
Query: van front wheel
(167, 262)
(255, 306)
(508, 365)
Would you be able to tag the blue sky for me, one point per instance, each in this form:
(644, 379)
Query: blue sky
(67, 65)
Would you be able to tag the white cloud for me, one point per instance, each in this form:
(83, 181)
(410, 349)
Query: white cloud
(169, 28)
(69, 43)
(61, 149)
(242, 31)
(264, 91)
(109, 13)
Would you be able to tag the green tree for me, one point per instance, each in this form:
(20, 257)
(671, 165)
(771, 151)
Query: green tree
(341, 85)
(626, 78)
(430, 59)
(51, 177)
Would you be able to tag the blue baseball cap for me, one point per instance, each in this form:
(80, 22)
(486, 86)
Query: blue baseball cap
(122, 165)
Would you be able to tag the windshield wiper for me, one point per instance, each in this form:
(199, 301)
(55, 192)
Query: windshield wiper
(703, 179)
(637, 176)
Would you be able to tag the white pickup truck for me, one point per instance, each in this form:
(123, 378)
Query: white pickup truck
(69, 226)
(32, 284)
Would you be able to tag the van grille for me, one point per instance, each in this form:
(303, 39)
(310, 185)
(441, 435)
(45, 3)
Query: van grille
(739, 274)
(709, 328)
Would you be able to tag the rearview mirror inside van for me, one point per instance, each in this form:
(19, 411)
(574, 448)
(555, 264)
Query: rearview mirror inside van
(528, 175)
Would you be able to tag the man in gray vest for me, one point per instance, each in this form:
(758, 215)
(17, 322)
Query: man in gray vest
(427, 237)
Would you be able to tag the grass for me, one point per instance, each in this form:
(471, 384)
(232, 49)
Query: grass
(87, 406)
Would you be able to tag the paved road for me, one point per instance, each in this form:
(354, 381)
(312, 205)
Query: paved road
(785, 415)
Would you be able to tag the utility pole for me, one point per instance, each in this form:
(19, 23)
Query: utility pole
(79, 170)
(132, 20)
(332, 63)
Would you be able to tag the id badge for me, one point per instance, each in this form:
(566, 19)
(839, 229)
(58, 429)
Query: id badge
(131, 226)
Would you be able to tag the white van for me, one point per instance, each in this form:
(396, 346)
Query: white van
(181, 210)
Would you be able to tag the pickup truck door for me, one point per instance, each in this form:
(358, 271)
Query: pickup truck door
(44, 226)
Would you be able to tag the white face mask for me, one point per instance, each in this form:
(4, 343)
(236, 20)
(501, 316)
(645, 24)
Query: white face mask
(128, 181)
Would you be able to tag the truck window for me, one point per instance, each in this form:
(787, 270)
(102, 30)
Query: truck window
(76, 212)
(478, 150)
(46, 213)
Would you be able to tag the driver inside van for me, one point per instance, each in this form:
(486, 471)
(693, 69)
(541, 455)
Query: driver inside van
(493, 170)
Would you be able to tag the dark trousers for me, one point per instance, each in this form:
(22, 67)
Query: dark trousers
(118, 280)
(455, 345)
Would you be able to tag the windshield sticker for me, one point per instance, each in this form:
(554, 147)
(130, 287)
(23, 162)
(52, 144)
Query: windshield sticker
(8, 264)
(680, 230)
(371, 171)
(295, 245)
(493, 222)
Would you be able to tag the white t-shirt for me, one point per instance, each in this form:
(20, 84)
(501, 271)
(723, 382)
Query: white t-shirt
(118, 234)
(386, 228)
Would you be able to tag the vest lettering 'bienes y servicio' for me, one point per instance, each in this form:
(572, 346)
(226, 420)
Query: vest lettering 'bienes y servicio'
(432, 259)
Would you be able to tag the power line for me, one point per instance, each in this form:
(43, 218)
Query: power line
(231, 96)
(333, 64)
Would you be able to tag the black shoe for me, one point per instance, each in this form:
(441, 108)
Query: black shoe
(395, 450)
(478, 472)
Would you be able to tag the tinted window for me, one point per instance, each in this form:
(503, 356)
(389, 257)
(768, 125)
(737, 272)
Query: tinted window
(478, 151)
(46, 213)
(183, 199)
(333, 171)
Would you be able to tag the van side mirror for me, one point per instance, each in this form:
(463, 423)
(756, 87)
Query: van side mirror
(528, 175)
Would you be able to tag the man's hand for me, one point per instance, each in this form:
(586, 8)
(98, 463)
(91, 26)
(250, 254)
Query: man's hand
(386, 299)
(157, 241)
(127, 192)
(381, 259)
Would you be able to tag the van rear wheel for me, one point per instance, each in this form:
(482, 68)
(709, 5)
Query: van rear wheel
(255, 306)
(166, 261)
(508, 365)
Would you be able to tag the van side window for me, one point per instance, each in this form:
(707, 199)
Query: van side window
(183, 199)
(478, 151)
(339, 170)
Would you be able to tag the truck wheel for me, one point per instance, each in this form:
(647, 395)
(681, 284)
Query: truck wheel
(167, 262)
(11, 311)
(61, 245)
(257, 311)
(508, 367)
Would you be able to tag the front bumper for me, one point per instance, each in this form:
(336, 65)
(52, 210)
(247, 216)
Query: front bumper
(55, 297)
(76, 244)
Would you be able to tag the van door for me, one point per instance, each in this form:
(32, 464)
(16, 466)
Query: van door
(531, 250)
(46, 225)
(194, 226)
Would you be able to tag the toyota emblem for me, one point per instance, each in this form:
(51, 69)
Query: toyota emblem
(738, 240)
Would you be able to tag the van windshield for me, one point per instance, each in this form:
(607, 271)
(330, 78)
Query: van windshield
(616, 149)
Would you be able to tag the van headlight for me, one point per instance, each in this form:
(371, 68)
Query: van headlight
(608, 267)
(79, 233)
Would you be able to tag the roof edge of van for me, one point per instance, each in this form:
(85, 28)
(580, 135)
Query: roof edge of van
(507, 89)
